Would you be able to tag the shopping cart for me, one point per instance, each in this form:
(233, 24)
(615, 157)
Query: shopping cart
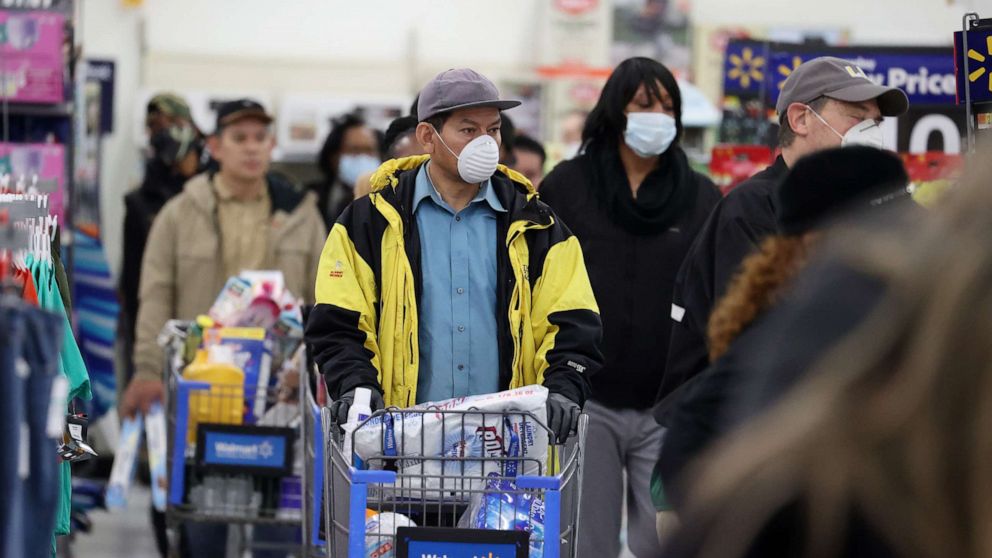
(314, 544)
(232, 454)
(450, 486)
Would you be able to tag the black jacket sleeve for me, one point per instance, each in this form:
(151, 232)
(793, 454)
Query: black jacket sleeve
(341, 328)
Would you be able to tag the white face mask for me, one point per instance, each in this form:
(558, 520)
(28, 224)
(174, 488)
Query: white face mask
(352, 167)
(478, 159)
(867, 132)
(649, 134)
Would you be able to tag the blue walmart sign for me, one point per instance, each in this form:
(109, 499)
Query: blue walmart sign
(979, 56)
(759, 68)
(245, 450)
(427, 549)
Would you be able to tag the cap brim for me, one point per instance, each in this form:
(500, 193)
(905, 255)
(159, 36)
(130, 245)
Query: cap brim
(498, 104)
(891, 100)
(248, 114)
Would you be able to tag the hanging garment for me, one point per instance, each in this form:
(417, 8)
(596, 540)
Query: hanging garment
(70, 364)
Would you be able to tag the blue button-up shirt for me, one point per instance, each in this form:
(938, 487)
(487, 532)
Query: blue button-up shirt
(459, 352)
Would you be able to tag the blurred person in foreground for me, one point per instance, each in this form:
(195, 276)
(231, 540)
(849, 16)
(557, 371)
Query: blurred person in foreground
(635, 205)
(880, 448)
(817, 191)
(529, 158)
(350, 151)
(483, 288)
(826, 102)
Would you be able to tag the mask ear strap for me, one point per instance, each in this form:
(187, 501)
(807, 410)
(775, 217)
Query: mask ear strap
(821, 119)
(438, 134)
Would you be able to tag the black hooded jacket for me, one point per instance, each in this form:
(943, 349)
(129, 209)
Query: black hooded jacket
(141, 206)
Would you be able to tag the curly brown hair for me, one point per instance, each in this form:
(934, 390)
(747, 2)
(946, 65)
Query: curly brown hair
(755, 288)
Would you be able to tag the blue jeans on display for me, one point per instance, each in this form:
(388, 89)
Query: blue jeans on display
(42, 340)
(11, 413)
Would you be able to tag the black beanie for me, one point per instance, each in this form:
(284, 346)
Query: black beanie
(826, 182)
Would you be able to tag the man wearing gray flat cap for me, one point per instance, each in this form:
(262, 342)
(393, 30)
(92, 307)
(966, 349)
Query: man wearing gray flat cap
(826, 102)
(452, 278)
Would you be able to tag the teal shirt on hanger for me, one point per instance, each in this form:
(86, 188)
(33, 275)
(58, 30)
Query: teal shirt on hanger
(72, 367)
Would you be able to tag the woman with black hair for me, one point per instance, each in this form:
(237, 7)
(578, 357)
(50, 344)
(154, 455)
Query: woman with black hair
(350, 150)
(635, 205)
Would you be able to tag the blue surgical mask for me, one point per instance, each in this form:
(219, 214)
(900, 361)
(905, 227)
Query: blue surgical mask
(351, 167)
(649, 134)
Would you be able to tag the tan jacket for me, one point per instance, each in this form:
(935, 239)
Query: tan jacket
(183, 269)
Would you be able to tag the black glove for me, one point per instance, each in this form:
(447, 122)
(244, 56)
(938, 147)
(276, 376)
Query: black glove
(340, 406)
(563, 416)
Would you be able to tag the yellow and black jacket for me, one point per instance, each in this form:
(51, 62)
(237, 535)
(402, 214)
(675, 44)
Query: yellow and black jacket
(363, 330)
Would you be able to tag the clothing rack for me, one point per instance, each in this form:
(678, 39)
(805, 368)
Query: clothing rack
(41, 371)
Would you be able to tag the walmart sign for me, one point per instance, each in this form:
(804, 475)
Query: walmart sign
(245, 449)
(757, 70)
(760, 68)
(978, 78)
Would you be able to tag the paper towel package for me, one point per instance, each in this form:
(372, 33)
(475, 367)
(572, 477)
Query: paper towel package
(503, 425)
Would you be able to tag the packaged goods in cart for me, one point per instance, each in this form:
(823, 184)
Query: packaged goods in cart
(504, 507)
(253, 299)
(232, 300)
(380, 533)
(253, 354)
(496, 421)
(224, 403)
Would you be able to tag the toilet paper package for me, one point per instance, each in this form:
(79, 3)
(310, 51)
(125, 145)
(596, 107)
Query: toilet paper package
(418, 437)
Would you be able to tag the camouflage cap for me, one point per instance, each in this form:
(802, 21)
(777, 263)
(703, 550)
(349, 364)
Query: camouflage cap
(169, 104)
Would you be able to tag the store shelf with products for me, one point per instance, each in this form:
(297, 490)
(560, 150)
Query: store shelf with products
(58, 110)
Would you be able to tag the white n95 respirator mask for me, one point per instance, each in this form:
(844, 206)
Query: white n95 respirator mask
(867, 133)
(478, 159)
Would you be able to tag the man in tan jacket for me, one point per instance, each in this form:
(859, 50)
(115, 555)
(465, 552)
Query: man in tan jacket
(239, 218)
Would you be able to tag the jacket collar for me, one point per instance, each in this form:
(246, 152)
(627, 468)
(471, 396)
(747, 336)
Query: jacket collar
(395, 181)
(424, 189)
(286, 197)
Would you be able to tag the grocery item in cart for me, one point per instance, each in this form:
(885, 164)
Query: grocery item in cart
(224, 402)
(232, 301)
(380, 533)
(253, 355)
(419, 436)
(504, 507)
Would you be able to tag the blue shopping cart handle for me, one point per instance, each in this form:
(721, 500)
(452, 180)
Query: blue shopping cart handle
(372, 477)
(194, 385)
(538, 482)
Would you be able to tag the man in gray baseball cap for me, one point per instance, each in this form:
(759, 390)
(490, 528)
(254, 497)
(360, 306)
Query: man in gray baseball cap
(826, 102)
(452, 278)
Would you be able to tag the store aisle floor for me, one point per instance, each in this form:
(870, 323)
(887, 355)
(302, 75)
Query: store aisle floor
(121, 533)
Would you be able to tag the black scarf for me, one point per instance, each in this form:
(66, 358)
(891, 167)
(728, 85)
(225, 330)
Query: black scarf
(666, 194)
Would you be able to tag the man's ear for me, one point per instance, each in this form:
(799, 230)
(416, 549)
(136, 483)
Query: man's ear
(426, 137)
(799, 116)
